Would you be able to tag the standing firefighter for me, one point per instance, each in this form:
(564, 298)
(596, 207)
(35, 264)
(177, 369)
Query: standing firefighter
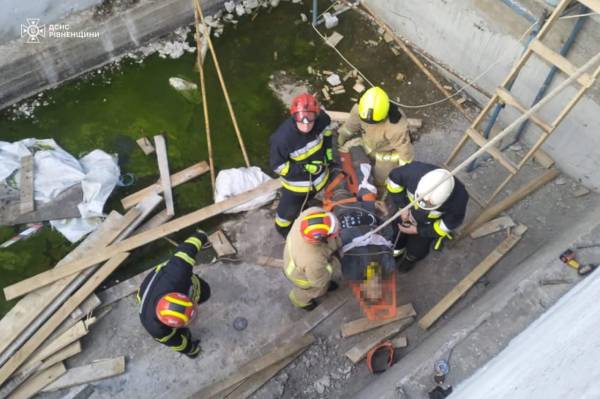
(300, 153)
(308, 257)
(169, 297)
(434, 216)
(383, 131)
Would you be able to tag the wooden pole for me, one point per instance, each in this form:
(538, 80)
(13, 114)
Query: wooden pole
(200, 64)
(225, 92)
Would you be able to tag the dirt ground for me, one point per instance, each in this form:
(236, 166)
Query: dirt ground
(260, 293)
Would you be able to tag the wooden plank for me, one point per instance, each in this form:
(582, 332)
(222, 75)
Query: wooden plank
(63, 312)
(14, 323)
(37, 382)
(493, 226)
(524, 191)
(255, 366)
(359, 351)
(150, 235)
(145, 145)
(364, 324)
(157, 220)
(269, 261)
(493, 151)
(146, 206)
(221, 244)
(594, 5)
(26, 185)
(554, 58)
(508, 99)
(63, 354)
(543, 159)
(177, 179)
(95, 371)
(49, 276)
(165, 176)
(466, 283)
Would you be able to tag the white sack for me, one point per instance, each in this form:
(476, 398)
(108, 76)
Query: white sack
(232, 182)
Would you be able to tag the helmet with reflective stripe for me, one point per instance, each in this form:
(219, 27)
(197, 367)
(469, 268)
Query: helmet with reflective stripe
(374, 105)
(443, 184)
(175, 310)
(318, 226)
(305, 108)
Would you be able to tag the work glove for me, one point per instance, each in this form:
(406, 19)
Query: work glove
(195, 349)
(341, 139)
(202, 236)
(314, 168)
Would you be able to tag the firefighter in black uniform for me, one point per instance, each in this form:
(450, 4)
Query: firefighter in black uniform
(169, 296)
(301, 150)
(434, 216)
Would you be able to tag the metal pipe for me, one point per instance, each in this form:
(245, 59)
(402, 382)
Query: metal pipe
(520, 10)
(314, 13)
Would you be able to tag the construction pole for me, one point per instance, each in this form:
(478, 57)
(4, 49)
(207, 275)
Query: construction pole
(200, 63)
(218, 68)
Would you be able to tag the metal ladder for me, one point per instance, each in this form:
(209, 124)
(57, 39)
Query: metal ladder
(503, 96)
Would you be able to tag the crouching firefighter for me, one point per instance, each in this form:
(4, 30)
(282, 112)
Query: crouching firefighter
(309, 257)
(301, 151)
(169, 297)
(434, 217)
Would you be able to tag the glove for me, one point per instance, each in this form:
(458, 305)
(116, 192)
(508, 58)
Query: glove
(328, 155)
(314, 168)
(341, 139)
(195, 349)
(202, 236)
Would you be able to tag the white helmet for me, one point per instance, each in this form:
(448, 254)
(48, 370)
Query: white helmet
(433, 199)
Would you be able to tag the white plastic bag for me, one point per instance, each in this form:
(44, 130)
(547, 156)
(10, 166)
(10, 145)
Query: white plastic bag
(232, 182)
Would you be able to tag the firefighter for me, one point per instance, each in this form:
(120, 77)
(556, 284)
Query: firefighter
(382, 129)
(301, 151)
(434, 217)
(169, 297)
(309, 257)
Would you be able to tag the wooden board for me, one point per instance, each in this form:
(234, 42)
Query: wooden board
(269, 261)
(493, 226)
(63, 354)
(147, 206)
(165, 176)
(29, 308)
(95, 371)
(466, 283)
(359, 351)
(57, 273)
(37, 382)
(364, 324)
(147, 236)
(145, 145)
(157, 220)
(177, 179)
(64, 206)
(26, 185)
(255, 366)
(63, 312)
(221, 244)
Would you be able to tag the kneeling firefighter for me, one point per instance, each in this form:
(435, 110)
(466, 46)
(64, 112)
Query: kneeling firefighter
(440, 210)
(169, 297)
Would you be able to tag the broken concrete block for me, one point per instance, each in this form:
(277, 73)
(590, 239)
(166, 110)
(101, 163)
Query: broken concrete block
(303, 17)
(400, 77)
(240, 10)
(395, 50)
(334, 39)
(388, 38)
(358, 87)
(334, 79)
(229, 6)
(580, 192)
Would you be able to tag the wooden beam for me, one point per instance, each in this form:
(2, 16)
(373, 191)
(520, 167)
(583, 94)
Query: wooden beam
(146, 207)
(145, 145)
(269, 261)
(493, 226)
(177, 179)
(364, 324)
(466, 283)
(26, 185)
(221, 244)
(63, 312)
(57, 273)
(163, 168)
(95, 371)
(255, 366)
(363, 347)
(37, 382)
(157, 220)
(63, 354)
(28, 309)
(494, 210)
(145, 237)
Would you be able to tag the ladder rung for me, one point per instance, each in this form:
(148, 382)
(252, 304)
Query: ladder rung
(594, 5)
(493, 151)
(507, 98)
(559, 61)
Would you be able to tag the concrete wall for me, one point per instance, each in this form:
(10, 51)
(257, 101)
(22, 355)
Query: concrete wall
(27, 68)
(470, 35)
(13, 13)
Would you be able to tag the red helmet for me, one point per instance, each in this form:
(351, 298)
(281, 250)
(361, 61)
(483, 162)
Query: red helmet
(175, 310)
(316, 227)
(305, 108)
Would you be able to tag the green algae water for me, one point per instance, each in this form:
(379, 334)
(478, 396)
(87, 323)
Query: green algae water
(110, 108)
